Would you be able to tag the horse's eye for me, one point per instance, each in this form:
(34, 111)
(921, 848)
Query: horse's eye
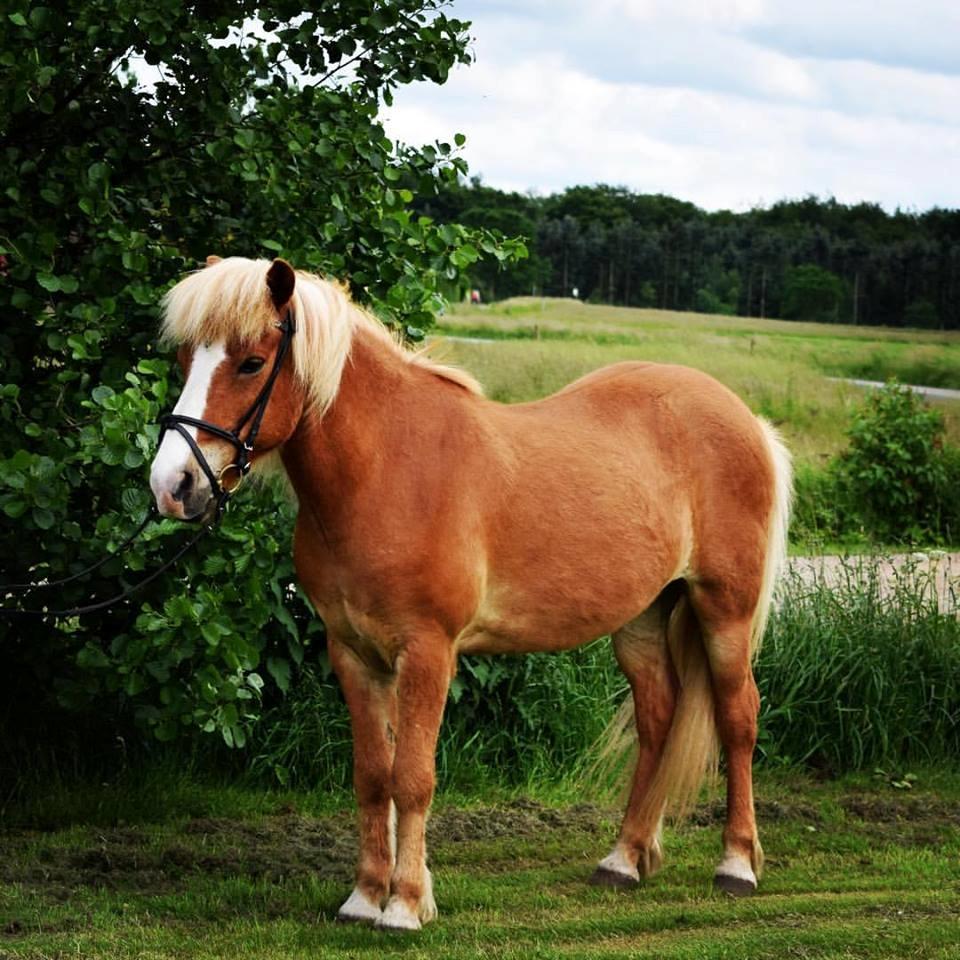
(251, 365)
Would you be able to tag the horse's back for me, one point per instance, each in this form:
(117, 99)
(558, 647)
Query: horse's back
(671, 409)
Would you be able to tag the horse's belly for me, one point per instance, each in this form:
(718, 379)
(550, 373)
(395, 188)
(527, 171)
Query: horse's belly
(537, 615)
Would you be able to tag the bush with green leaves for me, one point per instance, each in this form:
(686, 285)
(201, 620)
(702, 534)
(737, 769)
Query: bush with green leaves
(895, 482)
(895, 469)
(136, 138)
(812, 293)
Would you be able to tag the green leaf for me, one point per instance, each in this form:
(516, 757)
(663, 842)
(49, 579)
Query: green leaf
(244, 138)
(279, 669)
(101, 393)
(43, 518)
(15, 508)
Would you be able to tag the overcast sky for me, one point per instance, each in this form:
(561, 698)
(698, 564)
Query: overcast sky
(728, 103)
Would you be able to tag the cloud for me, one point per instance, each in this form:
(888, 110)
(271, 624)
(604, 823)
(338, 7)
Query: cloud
(920, 35)
(687, 98)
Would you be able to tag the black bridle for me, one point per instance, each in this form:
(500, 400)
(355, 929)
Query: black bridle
(223, 492)
(254, 417)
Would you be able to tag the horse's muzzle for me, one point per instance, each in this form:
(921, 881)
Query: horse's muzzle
(184, 496)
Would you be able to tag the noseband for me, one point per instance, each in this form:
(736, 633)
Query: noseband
(240, 467)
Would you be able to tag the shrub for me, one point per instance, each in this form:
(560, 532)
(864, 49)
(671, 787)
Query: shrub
(821, 513)
(921, 313)
(895, 468)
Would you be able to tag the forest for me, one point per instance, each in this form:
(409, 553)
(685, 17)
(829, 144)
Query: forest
(808, 259)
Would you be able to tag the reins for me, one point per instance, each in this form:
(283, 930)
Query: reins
(221, 490)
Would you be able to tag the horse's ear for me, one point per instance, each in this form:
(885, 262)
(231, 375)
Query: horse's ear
(212, 259)
(280, 280)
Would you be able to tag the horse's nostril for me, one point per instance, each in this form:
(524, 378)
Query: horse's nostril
(183, 487)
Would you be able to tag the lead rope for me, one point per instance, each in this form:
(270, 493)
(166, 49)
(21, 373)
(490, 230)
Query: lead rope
(101, 604)
(27, 587)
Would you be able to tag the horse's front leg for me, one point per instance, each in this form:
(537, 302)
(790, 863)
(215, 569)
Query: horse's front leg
(424, 671)
(372, 700)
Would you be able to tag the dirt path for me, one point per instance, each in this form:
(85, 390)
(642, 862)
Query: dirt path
(922, 573)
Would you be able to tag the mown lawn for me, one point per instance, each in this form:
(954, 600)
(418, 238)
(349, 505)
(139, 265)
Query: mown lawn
(855, 869)
(781, 369)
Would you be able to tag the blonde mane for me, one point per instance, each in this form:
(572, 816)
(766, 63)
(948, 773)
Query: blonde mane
(230, 301)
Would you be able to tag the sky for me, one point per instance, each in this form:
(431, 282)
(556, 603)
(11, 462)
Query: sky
(727, 103)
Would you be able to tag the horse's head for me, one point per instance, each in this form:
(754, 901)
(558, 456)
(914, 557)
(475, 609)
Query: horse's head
(229, 346)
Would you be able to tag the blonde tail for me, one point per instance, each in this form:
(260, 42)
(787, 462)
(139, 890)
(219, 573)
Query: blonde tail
(690, 751)
(776, 557)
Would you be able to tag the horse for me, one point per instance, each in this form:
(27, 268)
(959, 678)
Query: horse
(643, 501)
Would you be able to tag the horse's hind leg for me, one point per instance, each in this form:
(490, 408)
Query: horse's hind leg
(725, 614)
(641, 649)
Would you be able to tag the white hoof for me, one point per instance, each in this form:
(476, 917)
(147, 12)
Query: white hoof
(735, 876)
(359, 908)
(616, 870)
(397, 916)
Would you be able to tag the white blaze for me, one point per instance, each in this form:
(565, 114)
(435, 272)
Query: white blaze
(174, 456)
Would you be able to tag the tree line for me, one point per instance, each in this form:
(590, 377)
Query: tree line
(809, 259)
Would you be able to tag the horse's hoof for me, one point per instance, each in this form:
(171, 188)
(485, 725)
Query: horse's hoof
(397, 916)
(359, 909)
(602, 877)
(734, 886)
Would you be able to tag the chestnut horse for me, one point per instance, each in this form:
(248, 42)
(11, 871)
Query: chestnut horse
(643, 501)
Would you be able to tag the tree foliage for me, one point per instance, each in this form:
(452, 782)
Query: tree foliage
(811, 293)
(617, 246)
(136, 138)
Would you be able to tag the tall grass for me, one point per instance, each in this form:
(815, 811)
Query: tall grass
(859, 670)
(509, 721)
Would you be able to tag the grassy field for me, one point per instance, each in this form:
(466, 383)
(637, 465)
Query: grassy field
(855, 869)
(153, 862)
(780, 368)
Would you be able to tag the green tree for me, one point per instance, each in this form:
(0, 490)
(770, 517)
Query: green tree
(921, 313)
(135, 138)
(812, 293)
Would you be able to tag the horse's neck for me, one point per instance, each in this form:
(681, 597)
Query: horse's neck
(376, 427)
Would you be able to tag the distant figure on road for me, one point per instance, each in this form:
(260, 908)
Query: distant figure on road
(474, 296)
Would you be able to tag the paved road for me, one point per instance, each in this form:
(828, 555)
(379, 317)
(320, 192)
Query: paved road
(939, 392)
